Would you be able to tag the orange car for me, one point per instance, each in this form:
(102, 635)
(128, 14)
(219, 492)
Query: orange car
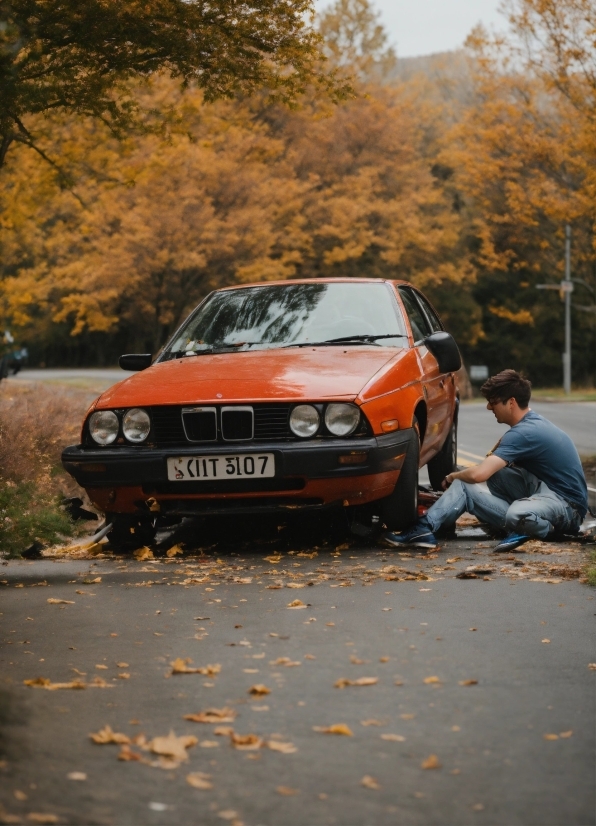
(285, 395)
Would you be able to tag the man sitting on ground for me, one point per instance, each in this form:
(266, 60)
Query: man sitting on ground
(534, 476)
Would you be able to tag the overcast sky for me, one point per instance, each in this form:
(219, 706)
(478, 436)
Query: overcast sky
(418, 27)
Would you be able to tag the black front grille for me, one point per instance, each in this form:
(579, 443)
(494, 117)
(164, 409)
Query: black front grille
(200, 423)
(270, 423)
(237, 424)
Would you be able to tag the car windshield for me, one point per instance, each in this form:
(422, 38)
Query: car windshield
(295, 315)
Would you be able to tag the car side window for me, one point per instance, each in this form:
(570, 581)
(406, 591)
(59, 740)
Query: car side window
(433, 319)
(419, 324)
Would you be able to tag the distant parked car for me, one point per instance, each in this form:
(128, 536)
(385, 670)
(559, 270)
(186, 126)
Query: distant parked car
(293, 395)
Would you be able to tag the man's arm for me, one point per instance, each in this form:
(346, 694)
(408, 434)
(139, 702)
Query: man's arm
(477, 473)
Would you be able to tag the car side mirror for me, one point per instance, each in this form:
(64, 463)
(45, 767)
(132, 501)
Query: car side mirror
(445, 350)
(135, 361)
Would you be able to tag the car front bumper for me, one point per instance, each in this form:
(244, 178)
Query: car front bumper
(308, 475)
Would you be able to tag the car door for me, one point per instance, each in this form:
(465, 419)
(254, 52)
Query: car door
(433, 383)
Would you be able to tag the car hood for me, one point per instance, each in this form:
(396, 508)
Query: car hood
(316, 373)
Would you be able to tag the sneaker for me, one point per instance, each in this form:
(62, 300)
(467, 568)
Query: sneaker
(511, 542)
(418, 536)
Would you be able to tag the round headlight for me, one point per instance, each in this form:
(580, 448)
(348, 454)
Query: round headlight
(136, 425)
(342, 419)
(104, 426)
(304, 420)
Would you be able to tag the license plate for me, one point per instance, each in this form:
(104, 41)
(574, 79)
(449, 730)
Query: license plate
(223, 466)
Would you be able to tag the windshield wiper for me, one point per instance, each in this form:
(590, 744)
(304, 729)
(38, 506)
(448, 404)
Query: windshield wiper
(367, 339)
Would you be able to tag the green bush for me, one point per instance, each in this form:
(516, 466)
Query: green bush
(27, 515)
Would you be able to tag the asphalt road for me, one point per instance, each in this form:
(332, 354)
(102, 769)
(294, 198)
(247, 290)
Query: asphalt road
(517, 747)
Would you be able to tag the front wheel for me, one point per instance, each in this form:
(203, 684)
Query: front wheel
(400, 509)
(129, 532)
(446, 459)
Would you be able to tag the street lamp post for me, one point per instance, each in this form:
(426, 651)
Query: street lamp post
(565, 289)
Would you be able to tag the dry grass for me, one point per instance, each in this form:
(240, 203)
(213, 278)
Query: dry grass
(36, 423)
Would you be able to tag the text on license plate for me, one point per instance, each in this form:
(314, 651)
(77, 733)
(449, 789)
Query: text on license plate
(224, 466)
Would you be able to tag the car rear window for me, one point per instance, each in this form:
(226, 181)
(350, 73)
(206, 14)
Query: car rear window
(280, 315)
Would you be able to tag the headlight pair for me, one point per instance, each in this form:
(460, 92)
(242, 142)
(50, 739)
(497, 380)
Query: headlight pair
(340, 419)
(104, 426)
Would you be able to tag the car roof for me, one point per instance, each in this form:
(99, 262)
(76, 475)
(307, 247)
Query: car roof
(334, 280)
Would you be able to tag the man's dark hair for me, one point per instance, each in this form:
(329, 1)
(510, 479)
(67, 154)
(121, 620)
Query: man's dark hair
(508, 384)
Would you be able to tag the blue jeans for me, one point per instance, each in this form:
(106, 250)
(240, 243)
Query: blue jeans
(518, 502)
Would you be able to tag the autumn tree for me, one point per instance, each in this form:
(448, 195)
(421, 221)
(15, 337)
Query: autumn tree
(79, 58)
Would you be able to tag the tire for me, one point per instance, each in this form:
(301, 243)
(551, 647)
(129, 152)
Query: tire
(400, 509)
(446, 459)
(129, 532)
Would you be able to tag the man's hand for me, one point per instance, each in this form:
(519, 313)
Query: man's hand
(476, 473)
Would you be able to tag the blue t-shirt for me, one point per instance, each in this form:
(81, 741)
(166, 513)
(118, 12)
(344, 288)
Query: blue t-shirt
(539, 447)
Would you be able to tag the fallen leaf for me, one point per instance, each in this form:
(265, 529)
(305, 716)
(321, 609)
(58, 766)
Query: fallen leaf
(246, 742)
(123, 665)
(174, 551)
(297, 603)
(551, 736)
(180, 666)
(228, 814)
(356, 661)
(213, 715)
(173, 746)
(124, 675)
(396, 737)
(372, 722)
(44, 682)
(284, 661)
(274, 559)
(284, 748)
(431, 680)
(384, 659)
(545, 640)
(42, 818)
(53, 601)
(76, 776)
(199, 780)
(407, 716)
(102, 667)
(468, 682)
(286, 791)
(296, 585)
(336, 728)
(209, 744)
(223, 731)
(127, 755)
(259, 690)
(343, 682)
(143, 553)
(106, 735)
(369, 782)
(19, 795)
(565, 734)
(92, 581)
(592, 666)
(431, 762)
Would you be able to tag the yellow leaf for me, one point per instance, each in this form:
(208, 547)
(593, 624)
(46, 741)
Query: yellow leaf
(175, 550)
(396, 737)
(431, 680)
(180, 666)
(468, 682)
(173, 746)
(53, 601)
(336, 728)
(286, 791)
(143, 553)
(213, 715)
(246, 742)
(106, 735)
(199, 780)
(297, 603)
(343, 682)
(551, 736)
(431, 762)
(259, 690)
(369, 782)
(284, 748)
